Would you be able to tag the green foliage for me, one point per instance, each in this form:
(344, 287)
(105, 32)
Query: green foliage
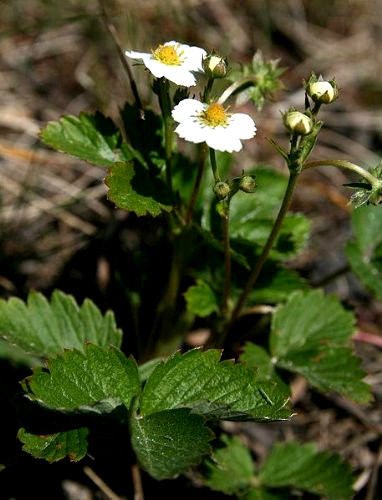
(201, 299)
(97, 380)
(304, 468)
(289, 465)
(45, 328)
(93, 138)
(276, 284)
(133, 189)
(309, 336)
(170, 442)
(54, 447)
(230, 468)
(364, 252)
(217, 390)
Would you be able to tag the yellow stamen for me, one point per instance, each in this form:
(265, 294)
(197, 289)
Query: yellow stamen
(215, 115)
(167, 54)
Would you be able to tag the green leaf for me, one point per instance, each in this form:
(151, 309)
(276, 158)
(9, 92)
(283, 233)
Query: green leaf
(17, 356)
(264, 494)
(93, 138)
(170, 442)
(217, 390)
(201, 299)
(147, 368)
(53, 447)
(309, 336)
(230, 469)
(97, 381)
(303, 467)
(365, 251)
(45, 329)
(257, 358)
(276, 284)
(132, 188)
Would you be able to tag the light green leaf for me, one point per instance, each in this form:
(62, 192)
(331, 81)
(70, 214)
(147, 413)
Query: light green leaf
(201, 299)
(147, 368)
(309, 336)
(303, 467)
(365, 251)
(93, 138)
(217, 390)
(264, 494)
(17, 356)
(45, 329)
(53, 447)
(98, 380)
(132, 188)
(170, 442)
(230, 469)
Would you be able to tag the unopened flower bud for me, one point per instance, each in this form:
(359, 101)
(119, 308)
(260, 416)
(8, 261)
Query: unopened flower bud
(247, 184)
(298, 122)
(215, 66)
(323, 92)
(222, 190)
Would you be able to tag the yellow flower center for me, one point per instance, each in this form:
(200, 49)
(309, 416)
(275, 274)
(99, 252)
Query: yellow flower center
(167, 54)
(215, 115)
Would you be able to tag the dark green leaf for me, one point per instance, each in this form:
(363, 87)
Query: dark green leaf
(132, 188)
(93, 138)
(170, 442)
(218, 390)
(98, 380)
(364, 252)
(309, 336)
(201, 299)
(230, 469)
(303, 467)
(276, 284)
(53, 447)
(45, 329)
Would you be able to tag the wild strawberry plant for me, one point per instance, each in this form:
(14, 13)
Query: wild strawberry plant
(227, 240)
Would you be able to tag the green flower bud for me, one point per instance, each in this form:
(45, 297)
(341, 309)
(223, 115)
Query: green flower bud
(247, 184)
(298, 122)
(323, 92)
(215, 66)
(222, 190)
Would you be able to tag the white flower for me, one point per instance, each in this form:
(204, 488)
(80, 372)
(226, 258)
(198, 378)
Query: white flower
(172, 60)
(210, 123)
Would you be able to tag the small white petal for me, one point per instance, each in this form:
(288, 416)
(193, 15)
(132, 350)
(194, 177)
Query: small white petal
(194, 58)
(191, 130)
(136, 55)
(157, 68)
(187, 108)
(221, 139)
(242, 126)
(179, 75)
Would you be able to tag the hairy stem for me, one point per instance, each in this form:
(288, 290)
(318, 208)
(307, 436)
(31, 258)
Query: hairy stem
(214, 166)
(268, 246)
(346, 165)
(227, 260)
(165, 103)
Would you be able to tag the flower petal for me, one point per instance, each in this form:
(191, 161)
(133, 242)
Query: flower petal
(157, 68)
(187, 108)
(191, 130)
(242, 126)
(137, 55)
(193, 58)
(179, 75)
(222, 139)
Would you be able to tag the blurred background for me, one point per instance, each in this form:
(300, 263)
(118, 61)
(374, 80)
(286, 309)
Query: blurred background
(58, 230)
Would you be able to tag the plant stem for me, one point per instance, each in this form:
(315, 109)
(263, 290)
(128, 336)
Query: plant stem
(227, 259)
(164, 98)
(198, 181)
(268, 246)
(214, 165)
(234, 87)
(346, 165)
(207, 90)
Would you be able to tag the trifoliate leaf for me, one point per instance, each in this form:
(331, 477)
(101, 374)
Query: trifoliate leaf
(217, 390)
(230, 469)
(93, 138)
(365, 251)
(45, 328)
(309, 336)
(98, 380)
(53, 447)
(276, 284)
(132, 188)
(201, 300)
(170, 442)
(17, 356)
(303, 467)
(147, 368)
